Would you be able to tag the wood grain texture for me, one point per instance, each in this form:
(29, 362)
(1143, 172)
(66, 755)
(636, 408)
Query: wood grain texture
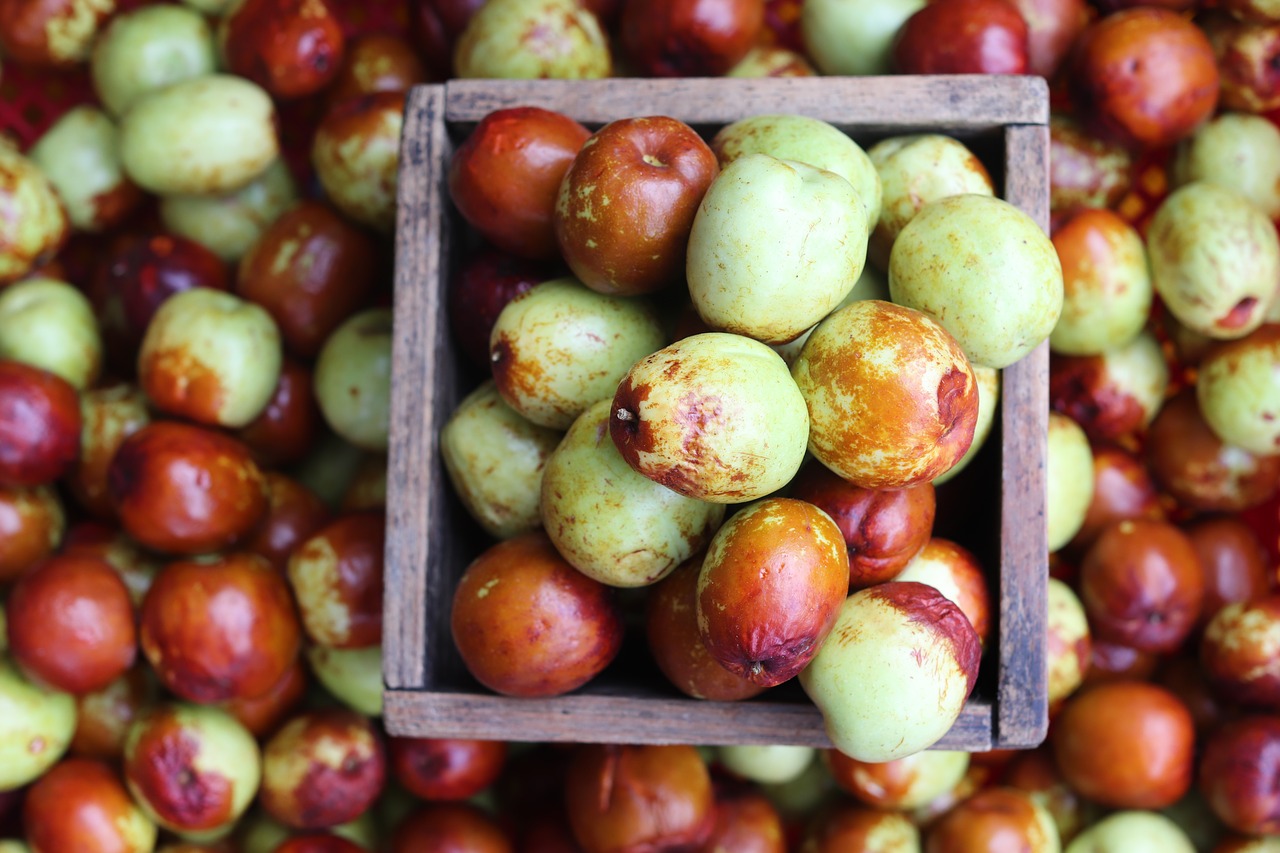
(950, 103)
(606, 719)
(430, 540)
(419, 355)
(1022, 716)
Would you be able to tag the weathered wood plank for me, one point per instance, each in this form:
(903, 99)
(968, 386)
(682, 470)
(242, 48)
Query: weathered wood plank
(956, 103)
(615, 719)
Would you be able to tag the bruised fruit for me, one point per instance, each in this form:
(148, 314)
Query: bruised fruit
(322, 769)
(955, 572)
(40, 227)
(1238, 652)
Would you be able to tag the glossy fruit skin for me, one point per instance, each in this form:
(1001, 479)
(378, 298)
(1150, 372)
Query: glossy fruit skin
(1237, 774)
(51, 33)
(703, 38)
(83, 805)
(289, 47)
(1191, 463)
(883, 528)
(963, 37)
(318, 842)
(450, 828)
(771, 584)
(323, 768)
(993, 817)
(220, 629)
(31, 240)
(144, 270)
(340, 569)
(1237, 652)
(446, 768)
(32, 524)
(638, 797)
(655, 171)
(1144, 77)
(71, 623)
(40, 424)
(263, 714)
(311, 270)
(505, 176)
(902, 785)
(1142, 585)
(1232, 560)
(377, 62)
(846, 827)
(1126, 745)
(1052, 28)
(110, 415)
(286, 430)
(356, 151)
(294, 514)
(526, 623)
(1084, 170)
(481, 288)
(671, 627)
(183, 489)
(103, 717)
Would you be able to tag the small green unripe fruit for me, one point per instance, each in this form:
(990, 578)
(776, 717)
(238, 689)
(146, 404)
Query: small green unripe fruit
(228, 224)
(714, 416)
(1215, 260)
(80, 154)
(50, 324)
(775, 247)
(985, 271)
(353, 379)
(1069, 479)
(148, 48)
(1238, 151)
(1238, 387)
(559, 347)
(532, 39)
(353, 676)
(36, 726)
(496, 459)
(611, 523)
(37, 225)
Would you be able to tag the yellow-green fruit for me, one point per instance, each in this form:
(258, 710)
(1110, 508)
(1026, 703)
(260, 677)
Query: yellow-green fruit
(148, 48)
(1138, 370)
(560, 346)
(611, 523)
(1238, 151)
(1107, 290)
(988, 382)
(212, 357)
(767, 765)
(80, 155)
(804, 140)
(1132, 832)
(353, 676)
(714, 416)
(1069, 642)
(352, 379)
(50, 324)
(915, 170)
(1238, 387)
(923, 777)
(1215, 260)
(496, 460)
(854, 36)
(228, 224)
(36, 726)
(209, 134)
(35, 225)
(985, 271)
(1069, 479)
(356, 158)
(776, 245)
(531, 40)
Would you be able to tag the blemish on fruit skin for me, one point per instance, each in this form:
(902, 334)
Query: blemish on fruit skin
(483, 591)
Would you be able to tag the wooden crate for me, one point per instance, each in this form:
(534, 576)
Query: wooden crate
(430, 540)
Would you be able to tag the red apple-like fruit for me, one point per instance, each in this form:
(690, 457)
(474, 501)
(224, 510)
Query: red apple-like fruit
(103, 717)
(771, 583)
(450, 828)
(1183, 676)
(82, 805)
(504, 177)
(902, 784)
(526, 623)
(639, 798)
(883, 528)
(136, 567)
(1114, 662)
(1036, 772)
(671, 626)
(39, 425)
(1142, 585)
(1232, 560)
(963, 37)
(1248, 55)
(1122, 489)
(1084, 171)
(746, 823)
(183, 489)
(318, 842)
(1127, 745)
(287, 428)
(321, 769)
(483, 284)
(445, 768)
(290, 48)
(1144, 77)
(1114, 395)
(689, 38)
(627, 203)
(846, 827)
(1237, 652)
(336, 577)
(992, 818)
(294, 515)
(377, 62)
(110, 415)
(1052, 27)
(71, 623)
(437, 25)
(311, 270)
(32, 524)
(220, 628)
(954, 571)
(192, 768)
(264, 713)
(1238, 773)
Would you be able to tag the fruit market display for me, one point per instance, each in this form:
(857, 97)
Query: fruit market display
(724, 382)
